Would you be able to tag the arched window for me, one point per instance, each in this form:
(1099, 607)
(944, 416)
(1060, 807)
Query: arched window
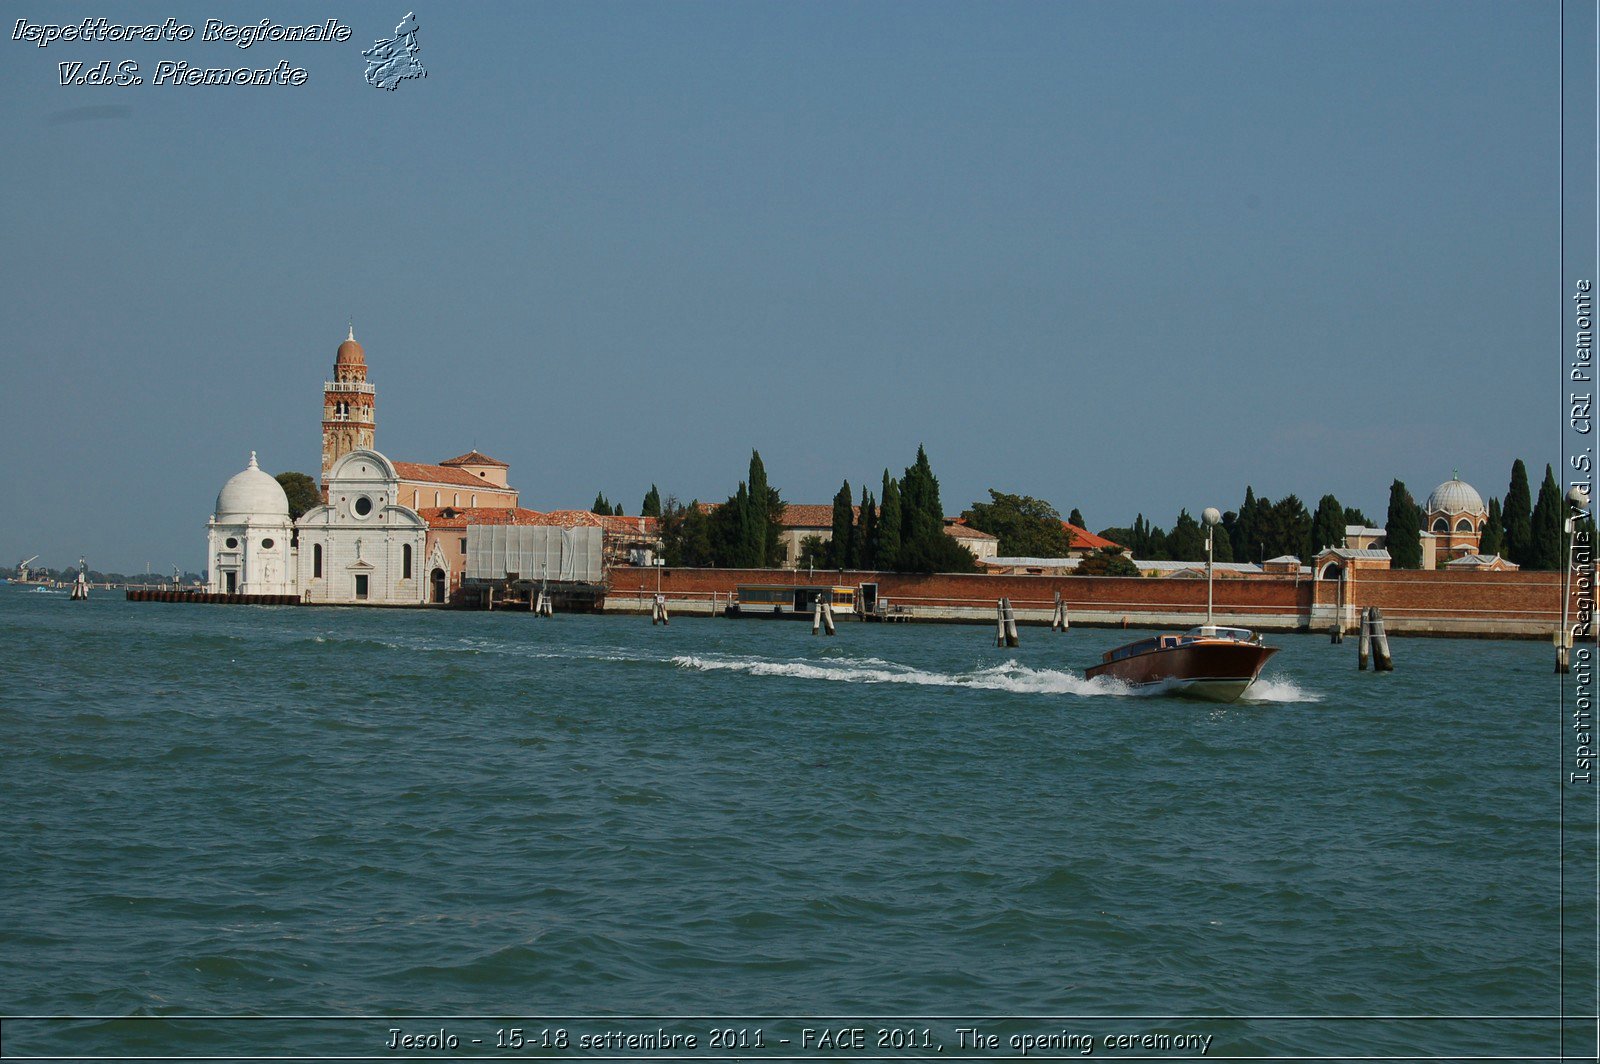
(455, 499)
(1463, 525)
(1332, 571)
(416, 497)
(436, 498)
(474, 500)
(405, 562)
(1441, 525)
(316, 561)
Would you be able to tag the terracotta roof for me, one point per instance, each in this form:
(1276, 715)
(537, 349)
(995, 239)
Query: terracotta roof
(809, 515)
(439, 474)
(1082, 537)
(474, 458)
(462, 516)
(962, 531)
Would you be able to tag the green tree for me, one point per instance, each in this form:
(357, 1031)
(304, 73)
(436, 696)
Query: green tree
(1076, 518)
(1353, 516)
(1222, 545)
(1187, 542)
(867, 532)
(1282, 527)
(924, 545)
(843, 552)
(1107, 561)
(813, 553)
(1403, 529)
(1493, 539)
(1026, 527)
(1547, 520)
(652, 503)
(686, 535)
(302, 492)
(889, 525)
(1518, 516)
(1327, 526)
(759, 526)
(600, 504)
(1244, 529)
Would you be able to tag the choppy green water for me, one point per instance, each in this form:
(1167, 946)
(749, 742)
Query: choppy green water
(304, 812)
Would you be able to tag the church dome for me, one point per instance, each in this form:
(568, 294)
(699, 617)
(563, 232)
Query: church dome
(1454, 496)
(350, 353)
(252, 493)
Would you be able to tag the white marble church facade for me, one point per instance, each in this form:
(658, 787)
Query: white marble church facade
(360, 548)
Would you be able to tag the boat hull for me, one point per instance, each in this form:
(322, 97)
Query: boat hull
(1213, 671)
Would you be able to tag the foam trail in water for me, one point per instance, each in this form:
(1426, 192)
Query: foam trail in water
(1009, 676)
(1278, 689)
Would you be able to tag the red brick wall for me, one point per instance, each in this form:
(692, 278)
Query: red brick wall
(1422, 595)
(1112, 594)
(1401, 594)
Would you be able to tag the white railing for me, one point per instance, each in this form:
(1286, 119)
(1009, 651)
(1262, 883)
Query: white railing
(350, 386)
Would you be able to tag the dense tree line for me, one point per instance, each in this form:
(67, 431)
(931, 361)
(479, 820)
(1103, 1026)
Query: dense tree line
(740, 533)
(901, 527)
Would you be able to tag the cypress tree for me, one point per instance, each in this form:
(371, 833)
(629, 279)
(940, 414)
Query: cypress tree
(843, 547)
(759, 515)
(652, 503)
(889, 524)
(1327, 527)
(1493, 540)
(1518, 515)
(1403, 530)
(1244, 529)
(600, 505)
(1076, 518)
(1547, 519)
(866, 532)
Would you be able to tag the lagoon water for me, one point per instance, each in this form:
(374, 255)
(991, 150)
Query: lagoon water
(236, 811)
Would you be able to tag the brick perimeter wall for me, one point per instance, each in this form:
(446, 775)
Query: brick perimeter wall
(1413, 601)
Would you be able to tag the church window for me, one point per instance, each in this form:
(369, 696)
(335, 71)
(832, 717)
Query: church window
(266, 544)
(1463, 525)
(436, 498)
(316, 561)
(1441, 525)
(405, 562)
(232, 544)
(474, 500)
(363, 506)
(416, 499)
(455, 499)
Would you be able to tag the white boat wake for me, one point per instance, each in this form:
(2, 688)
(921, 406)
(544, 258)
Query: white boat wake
(1008, 676)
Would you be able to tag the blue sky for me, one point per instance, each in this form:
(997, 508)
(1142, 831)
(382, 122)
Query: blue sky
(1122, 256)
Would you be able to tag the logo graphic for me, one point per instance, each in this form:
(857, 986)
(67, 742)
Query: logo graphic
(391, 62)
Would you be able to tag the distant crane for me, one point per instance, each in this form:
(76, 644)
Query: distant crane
(22, 569)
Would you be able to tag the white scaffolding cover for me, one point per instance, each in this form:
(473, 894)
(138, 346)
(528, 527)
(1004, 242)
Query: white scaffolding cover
(534, 552)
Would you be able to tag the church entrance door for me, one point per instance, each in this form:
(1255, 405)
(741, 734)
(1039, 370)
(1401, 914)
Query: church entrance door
(437, 577)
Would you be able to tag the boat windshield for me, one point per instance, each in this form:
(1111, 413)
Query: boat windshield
(1233, 635)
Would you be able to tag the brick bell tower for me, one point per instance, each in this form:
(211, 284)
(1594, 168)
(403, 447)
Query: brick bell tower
(348, 420)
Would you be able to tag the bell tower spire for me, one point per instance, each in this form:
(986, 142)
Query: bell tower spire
(349, 421)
